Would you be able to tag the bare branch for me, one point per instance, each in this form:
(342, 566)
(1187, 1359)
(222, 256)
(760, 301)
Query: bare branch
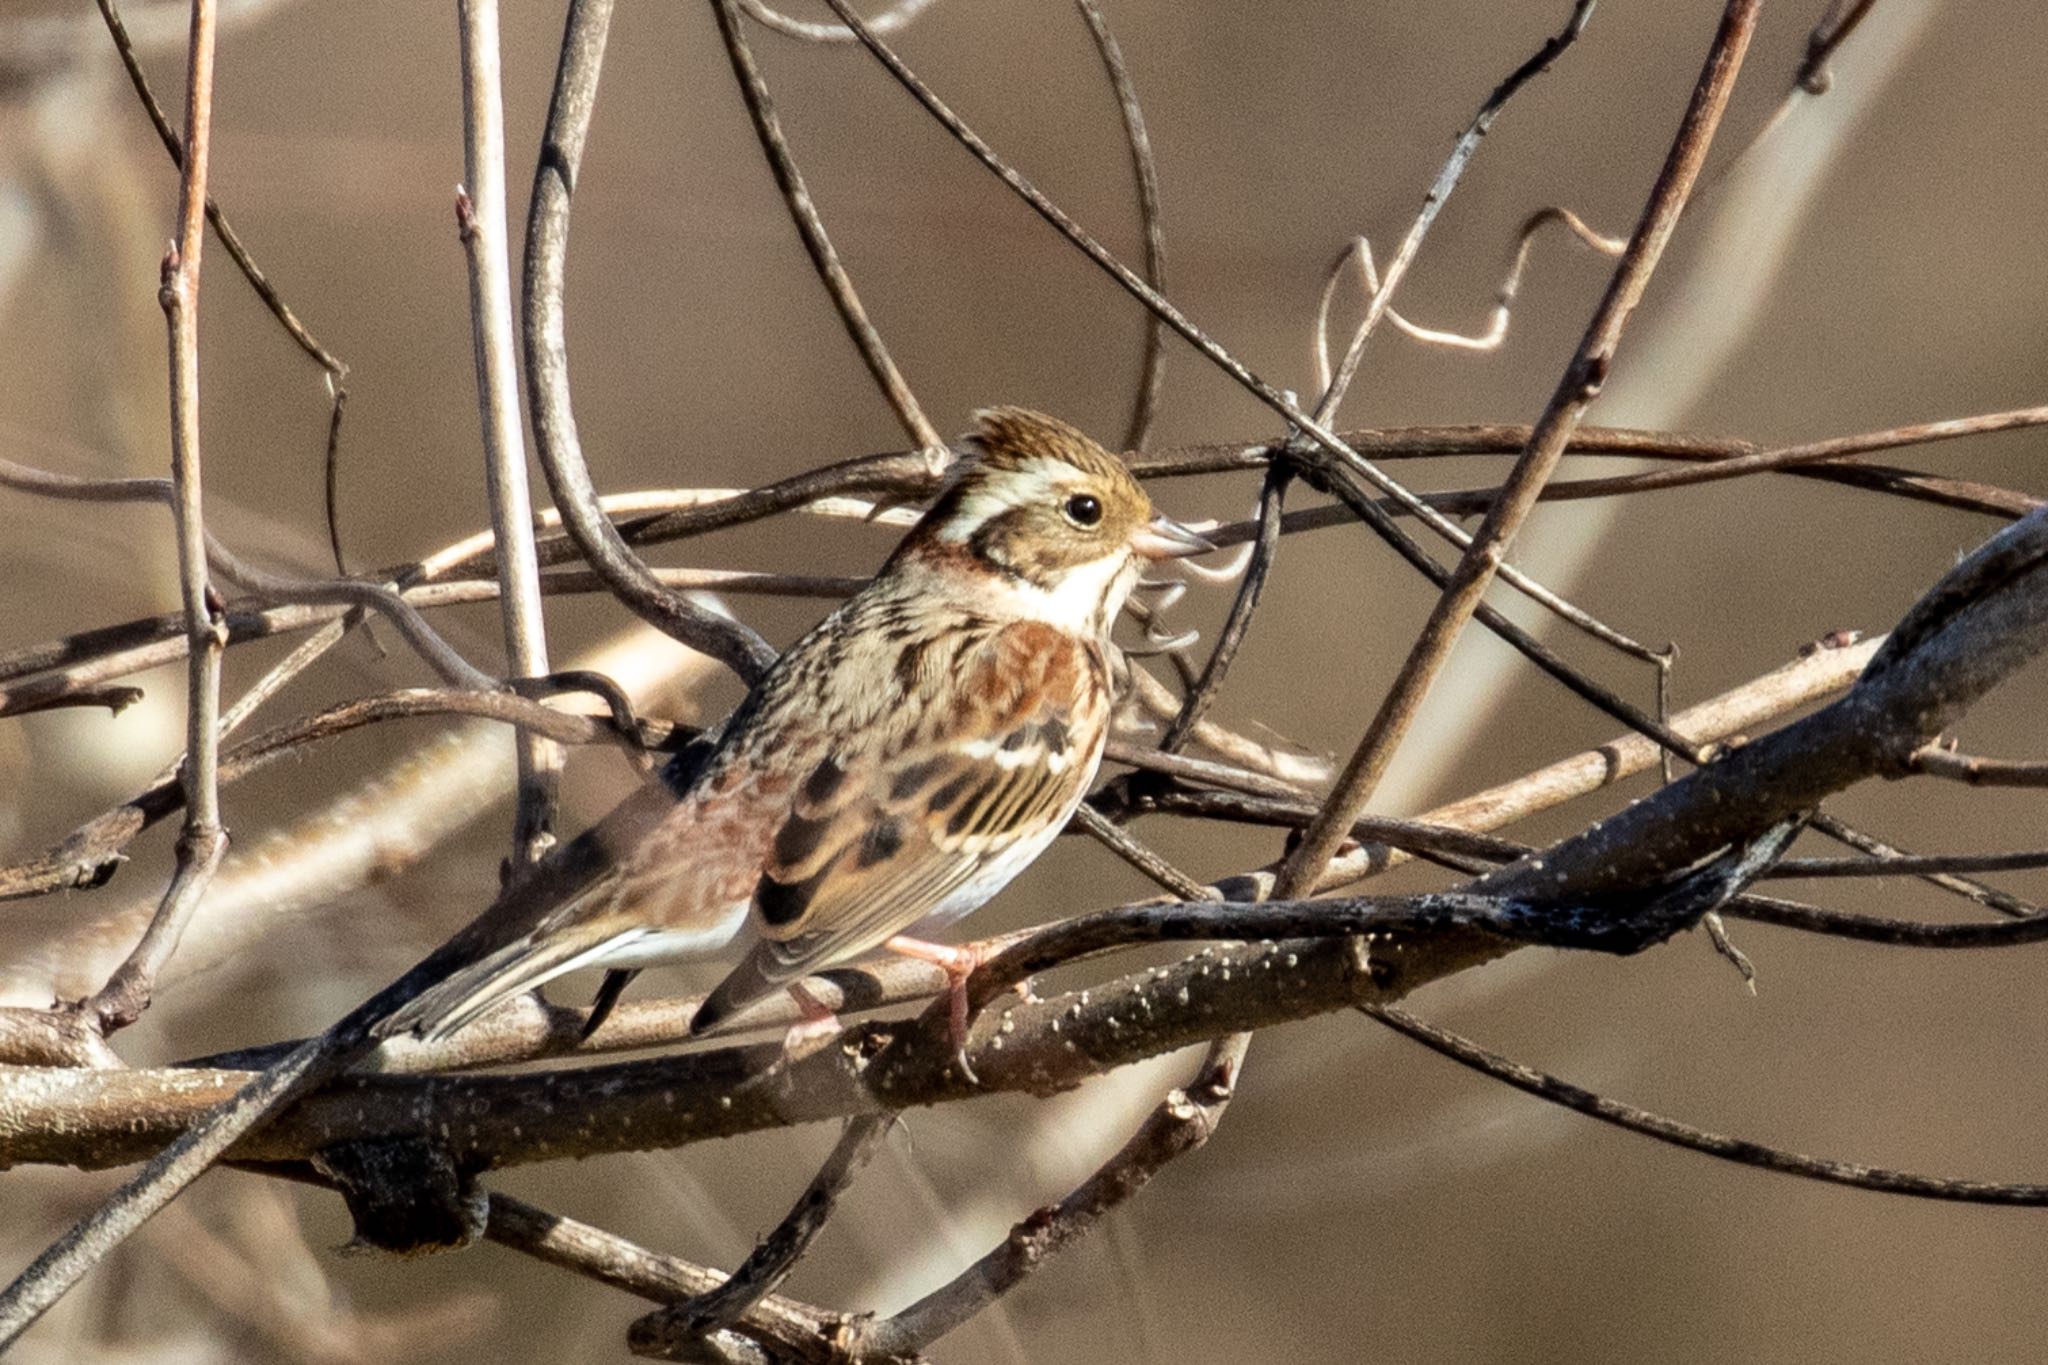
(1182, 1123)
(811, 228)
(770, 1262)
(547, 364)
(231, 242)
(480, 216)
(1582, 380)
(1560, 1092)
(1936, 761)
(609, 1259)
(1440, 191)
(203, 840)
(1151, 218)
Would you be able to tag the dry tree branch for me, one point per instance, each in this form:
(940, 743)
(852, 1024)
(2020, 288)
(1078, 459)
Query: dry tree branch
(1907, 864)
(1882, 929)
(335, 368)
(802, 1330)
(1984, 619)
(543, 332)
(1522, 641)
(1581, 382)
(203, 840)
(1839, 466)
(1119, 841)
(1182, 1123)
(1936, 761)
(1813, 452)
(1432, 203)
(261, 584)
(1831, 32)
(1272, 507)
(1496, 331)
(897, 16)
(818, 245)
(687, 1324)
(1626, 1116)
(90, 854)
(480, 213)
(1991, 897)
(1151, 218)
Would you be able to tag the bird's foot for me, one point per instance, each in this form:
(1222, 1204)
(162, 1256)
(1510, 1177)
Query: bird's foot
(958, 964)
(818, 1026)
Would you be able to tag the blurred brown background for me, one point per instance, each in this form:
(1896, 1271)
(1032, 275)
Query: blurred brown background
(1364, 1200)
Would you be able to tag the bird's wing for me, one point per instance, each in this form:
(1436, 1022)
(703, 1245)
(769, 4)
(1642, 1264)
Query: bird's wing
(870, 847)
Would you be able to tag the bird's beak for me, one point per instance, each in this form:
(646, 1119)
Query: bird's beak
(1163, 539)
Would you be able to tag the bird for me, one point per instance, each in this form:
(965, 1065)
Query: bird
(894, 769)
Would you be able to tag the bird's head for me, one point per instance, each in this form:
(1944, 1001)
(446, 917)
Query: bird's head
(1049, 513)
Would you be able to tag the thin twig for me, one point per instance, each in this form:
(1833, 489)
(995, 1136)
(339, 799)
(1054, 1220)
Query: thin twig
(480, 215)
(1915, 865)
(610, 1259)
(1272, 504)
(1989, 896)
(1979, 772)
(898, 16)
(1504, 628)
(777, 1254)
(1119, 841)
(1813, 452)
(231, 241)
(1504, 298)
(1432, 203)
(89, 855)
(1737, 711)
(1582, 380)
(543, 333)
(1830, 33)
(1182, 1123)
(203, 840)
(1555, 1091)
(1151, 217)
(818, 245)
(1882, 929)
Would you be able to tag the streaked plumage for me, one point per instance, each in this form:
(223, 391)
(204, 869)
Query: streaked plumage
(898, 766)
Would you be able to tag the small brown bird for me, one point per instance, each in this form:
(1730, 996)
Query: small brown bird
(894, 769)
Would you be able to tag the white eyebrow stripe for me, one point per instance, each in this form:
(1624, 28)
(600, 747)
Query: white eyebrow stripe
(1036, 480)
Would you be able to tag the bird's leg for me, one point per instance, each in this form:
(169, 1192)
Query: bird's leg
(818, 1024)
(958, 964)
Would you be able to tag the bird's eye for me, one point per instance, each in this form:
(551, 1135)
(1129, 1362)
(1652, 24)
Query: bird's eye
(1083, 509)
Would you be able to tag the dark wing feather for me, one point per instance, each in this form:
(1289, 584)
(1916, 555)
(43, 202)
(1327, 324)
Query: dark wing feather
(858, 861)
(882, 862)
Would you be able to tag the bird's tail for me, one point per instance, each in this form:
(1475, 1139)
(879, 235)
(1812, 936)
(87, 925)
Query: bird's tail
(473, 988)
